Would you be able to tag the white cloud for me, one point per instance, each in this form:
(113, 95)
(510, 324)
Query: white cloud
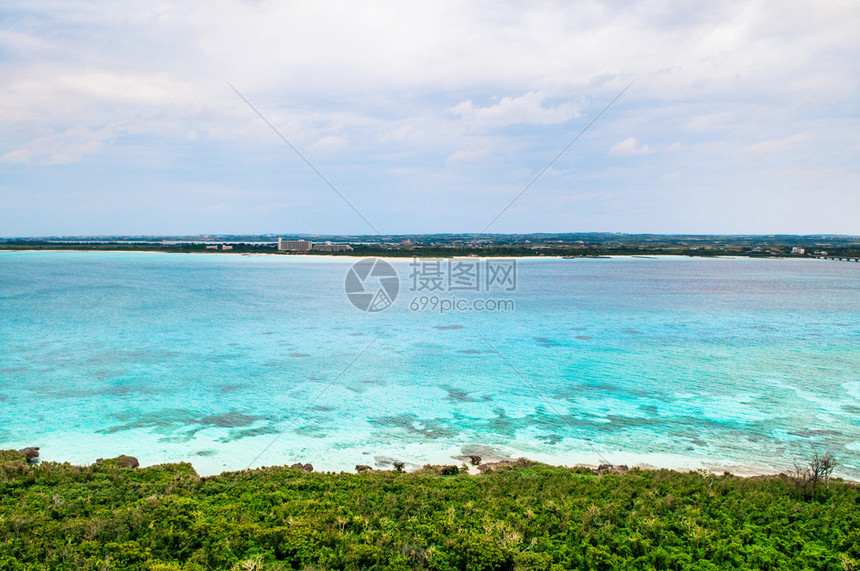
(528, 108)
(585, 196)
(401, 133)
(708, 121)
(467, 156)
(416, 83)
(778, 145)
(328, 143)
(629, 147)
(64, 147)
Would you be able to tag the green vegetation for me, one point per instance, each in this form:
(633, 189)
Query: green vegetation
(528, 516)
(489, 245)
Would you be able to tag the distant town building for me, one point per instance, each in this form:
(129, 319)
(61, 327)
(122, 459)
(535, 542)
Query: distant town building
(329, 247)
(797, 250)
(294, 245)
(213, 247)
(226, 247)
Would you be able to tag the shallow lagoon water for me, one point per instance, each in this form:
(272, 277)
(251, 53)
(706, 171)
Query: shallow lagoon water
(740, 364)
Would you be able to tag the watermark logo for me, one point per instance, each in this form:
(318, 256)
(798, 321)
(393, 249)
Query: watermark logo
(372, 285)
(437, 284)
(462, 275)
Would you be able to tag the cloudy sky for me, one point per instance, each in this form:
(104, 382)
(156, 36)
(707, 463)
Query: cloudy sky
(115, 117)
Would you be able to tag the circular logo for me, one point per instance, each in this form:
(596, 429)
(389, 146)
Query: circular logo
(371, 284)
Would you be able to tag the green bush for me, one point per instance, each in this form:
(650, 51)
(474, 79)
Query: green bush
(524, 516)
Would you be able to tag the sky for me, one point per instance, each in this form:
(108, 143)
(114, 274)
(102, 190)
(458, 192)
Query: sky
(117, 118)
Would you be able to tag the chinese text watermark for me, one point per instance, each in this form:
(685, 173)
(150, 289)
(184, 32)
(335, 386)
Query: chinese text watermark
(372, 284)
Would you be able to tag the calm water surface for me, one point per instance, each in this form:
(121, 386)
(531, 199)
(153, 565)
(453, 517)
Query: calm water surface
(738, 364)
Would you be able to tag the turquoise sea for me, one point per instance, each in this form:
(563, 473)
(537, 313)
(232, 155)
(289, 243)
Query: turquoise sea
(227, 361)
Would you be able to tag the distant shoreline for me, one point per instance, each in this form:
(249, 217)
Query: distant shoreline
(439, 246)
(321, 256)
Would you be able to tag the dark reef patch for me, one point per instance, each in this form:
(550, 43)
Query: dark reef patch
(225, 389)
(180, 437)
(550, 439)
(648, 409)
(125, 390)
(692, 438)
(311, 431)
(555, 426)
(811, 433)
(234, 435)
(448, 327)
(229, 420)
(546, 342)
(179, 425)
(619, 422)
(457, 395)
(429, 428)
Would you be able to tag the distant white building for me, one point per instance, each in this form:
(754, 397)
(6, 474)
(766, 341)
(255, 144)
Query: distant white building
(329, 247)
(797, 250)
(294, 245)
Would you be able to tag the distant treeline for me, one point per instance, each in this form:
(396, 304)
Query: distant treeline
(526, 516)
(497, 249)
